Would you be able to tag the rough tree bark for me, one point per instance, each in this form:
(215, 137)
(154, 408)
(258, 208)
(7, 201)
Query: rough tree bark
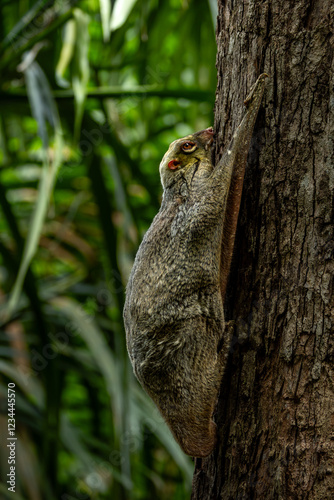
(276, 409)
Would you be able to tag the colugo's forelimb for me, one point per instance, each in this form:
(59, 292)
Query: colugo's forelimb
(234, 161)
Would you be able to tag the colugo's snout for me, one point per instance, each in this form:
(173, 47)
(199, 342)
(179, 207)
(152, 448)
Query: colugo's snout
(206, 136)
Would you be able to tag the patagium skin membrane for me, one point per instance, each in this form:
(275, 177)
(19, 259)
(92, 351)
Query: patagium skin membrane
(176, 334)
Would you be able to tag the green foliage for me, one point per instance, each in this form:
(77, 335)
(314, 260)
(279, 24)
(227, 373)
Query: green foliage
(91, 93)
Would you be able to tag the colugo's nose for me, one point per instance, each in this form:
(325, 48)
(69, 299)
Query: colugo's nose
(206, 135)
(206, 131)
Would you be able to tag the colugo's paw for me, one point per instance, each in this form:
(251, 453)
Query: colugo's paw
(255, 89)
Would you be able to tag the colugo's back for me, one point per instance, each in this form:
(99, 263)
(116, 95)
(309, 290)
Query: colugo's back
(173, 314)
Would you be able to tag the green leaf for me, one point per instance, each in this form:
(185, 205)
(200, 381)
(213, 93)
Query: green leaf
(213, 5)
(23, 23)
(66, 53)
(71, 439)
(102, 355)
(145, 409)
(80, 75)
(26, 380)
(9, 494)
(33, 35)
(43, 109)
(120, 13)
(120, 195)
(105, 9)
(41, 101)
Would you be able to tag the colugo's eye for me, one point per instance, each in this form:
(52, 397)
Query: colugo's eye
(188, 147)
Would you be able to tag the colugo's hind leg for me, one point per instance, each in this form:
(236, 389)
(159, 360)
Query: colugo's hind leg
(187, 392)
(207, 434)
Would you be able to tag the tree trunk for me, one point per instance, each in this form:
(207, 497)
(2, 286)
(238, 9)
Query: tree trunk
(276, 409)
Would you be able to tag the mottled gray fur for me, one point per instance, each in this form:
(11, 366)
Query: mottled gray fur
(173, 314)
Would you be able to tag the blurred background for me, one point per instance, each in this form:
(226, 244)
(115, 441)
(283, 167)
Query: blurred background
(92, 93)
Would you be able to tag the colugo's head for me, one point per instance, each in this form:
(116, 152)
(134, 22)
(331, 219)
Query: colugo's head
(184, 156)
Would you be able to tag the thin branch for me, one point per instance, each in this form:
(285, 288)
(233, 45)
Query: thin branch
(121, 93)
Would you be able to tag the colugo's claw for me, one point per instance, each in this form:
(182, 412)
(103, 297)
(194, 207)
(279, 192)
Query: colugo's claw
(254, 88)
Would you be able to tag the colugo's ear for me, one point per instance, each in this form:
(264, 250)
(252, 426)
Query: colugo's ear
(206, 136)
